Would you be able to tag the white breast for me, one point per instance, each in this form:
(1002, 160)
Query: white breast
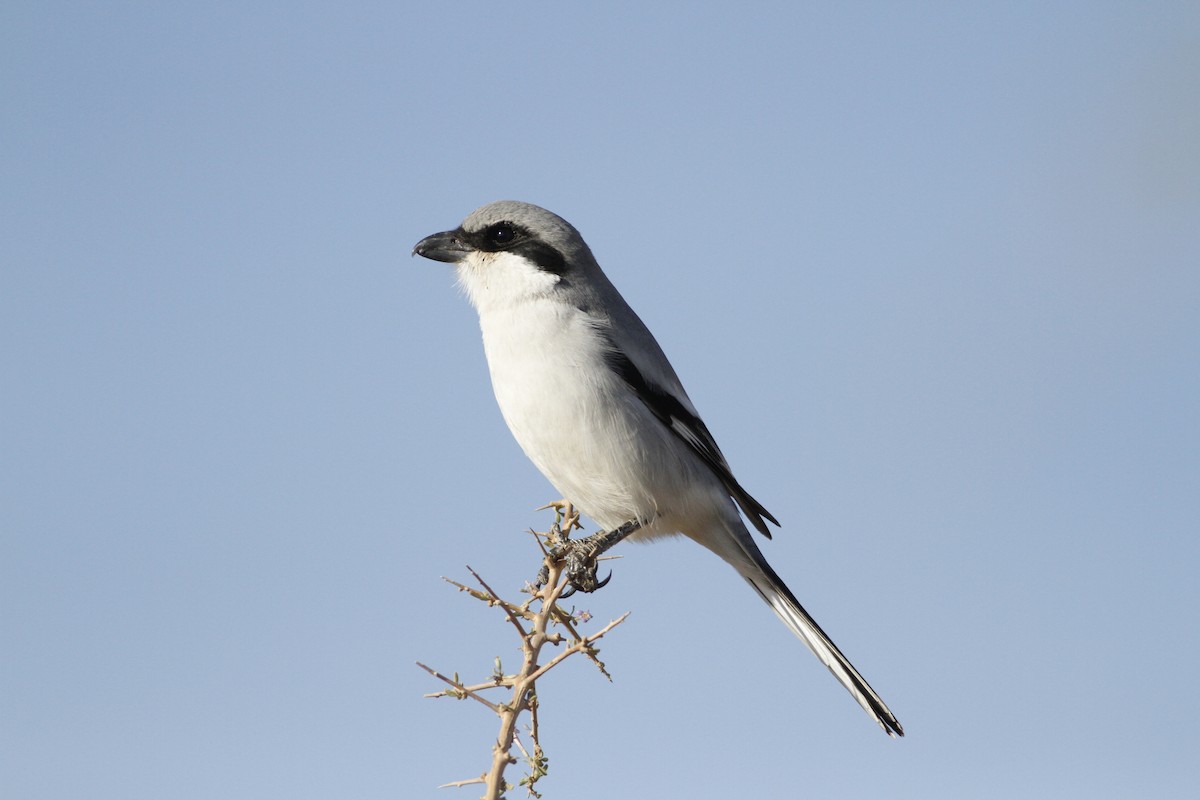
(577, 420)
(567, 410)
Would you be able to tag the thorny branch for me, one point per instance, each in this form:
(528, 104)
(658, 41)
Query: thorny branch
(533, 620)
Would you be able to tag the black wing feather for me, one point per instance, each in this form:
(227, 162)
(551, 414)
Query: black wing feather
(692, 431)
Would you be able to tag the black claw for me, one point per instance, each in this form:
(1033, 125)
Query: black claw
(579, 558)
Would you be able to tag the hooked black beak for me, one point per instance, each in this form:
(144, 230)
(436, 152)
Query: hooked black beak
(447, 246)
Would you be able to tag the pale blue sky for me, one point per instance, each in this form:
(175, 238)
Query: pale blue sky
(931, 273)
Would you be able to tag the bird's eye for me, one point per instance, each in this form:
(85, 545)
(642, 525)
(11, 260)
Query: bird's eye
(501, 233)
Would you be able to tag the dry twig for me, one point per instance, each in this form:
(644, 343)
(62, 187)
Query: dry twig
(533, 621)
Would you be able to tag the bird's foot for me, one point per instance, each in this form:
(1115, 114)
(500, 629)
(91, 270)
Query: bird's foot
(579, 556)
(579, 564)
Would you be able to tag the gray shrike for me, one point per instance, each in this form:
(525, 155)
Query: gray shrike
(594, 403)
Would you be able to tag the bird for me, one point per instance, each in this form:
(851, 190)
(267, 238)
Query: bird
(592, 400)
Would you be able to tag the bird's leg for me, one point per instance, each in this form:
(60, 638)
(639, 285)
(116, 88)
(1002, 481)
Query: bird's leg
(558, 534)
(580, 556)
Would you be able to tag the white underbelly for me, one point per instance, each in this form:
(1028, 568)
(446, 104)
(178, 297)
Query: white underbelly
(579, 423)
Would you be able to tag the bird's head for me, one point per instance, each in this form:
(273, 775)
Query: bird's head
(510, 251)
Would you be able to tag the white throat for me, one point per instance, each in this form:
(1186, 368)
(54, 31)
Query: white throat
(494, 281)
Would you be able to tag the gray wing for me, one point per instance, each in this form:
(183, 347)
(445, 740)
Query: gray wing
(678, 415)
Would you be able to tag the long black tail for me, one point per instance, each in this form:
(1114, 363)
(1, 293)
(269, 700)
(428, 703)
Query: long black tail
(785, 605)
